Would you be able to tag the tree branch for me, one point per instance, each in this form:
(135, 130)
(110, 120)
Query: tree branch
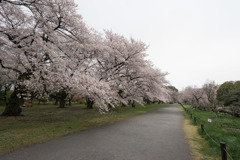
(10, 68)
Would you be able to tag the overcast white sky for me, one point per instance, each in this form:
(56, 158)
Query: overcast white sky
(193, 40)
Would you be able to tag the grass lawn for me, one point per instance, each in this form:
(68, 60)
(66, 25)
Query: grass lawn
(41, 123)
(225, 128)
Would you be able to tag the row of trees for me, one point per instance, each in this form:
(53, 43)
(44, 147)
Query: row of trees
(47, 49)
(211, 96)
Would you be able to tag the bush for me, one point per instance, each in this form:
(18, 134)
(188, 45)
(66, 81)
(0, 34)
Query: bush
(44, 99)
(82, 101)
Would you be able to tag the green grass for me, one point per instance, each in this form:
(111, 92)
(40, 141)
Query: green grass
(225, 128)
(42, 123)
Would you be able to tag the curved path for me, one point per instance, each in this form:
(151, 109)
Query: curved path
(156, 135)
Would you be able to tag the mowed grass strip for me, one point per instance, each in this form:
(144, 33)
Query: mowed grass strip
(42, 123)
(195, 141)
(198, 145)
(223, 128)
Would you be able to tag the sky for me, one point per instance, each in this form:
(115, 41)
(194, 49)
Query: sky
(193, 40)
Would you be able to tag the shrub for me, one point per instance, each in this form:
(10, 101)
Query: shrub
(82, 101)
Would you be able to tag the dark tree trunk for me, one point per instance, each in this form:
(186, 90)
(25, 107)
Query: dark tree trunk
(148, 101)
(13, 106)
(62, 103)
(133, 104)
(230, 113)
(63, 96)
(235, 111)
(123, 105)
(89, 103)
(110, 106)
(70, 100)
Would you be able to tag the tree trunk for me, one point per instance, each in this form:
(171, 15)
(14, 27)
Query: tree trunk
(215, 110)
(123, 105)
(70, 100)
(234, 112)
(133, 104)
(228, 112)
(13, 106)
(89, 103)
(62, 103)
(148, 101)
(63, 96)
(110, 106)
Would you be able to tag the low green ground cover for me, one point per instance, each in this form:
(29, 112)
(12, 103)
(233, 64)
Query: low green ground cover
(41, 123)
(223, 128)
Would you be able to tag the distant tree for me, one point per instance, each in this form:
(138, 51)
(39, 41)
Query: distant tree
(229, 94)
(234, 95)
(54, 97)
(173, 92)
(70, 98)
(193, 96)
(210, 92)
(223, 92)
(43, 99)
(173, 88)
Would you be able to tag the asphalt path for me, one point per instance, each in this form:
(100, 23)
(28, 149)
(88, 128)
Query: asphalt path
(156, 135)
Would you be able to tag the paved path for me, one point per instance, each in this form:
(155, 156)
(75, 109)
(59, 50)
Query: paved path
(156, 135)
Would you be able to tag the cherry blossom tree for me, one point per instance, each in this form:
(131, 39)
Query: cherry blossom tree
(123, 65)
(202, 98)
(210, 90)
(47, 44)
(51, 51)
(193, 96)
